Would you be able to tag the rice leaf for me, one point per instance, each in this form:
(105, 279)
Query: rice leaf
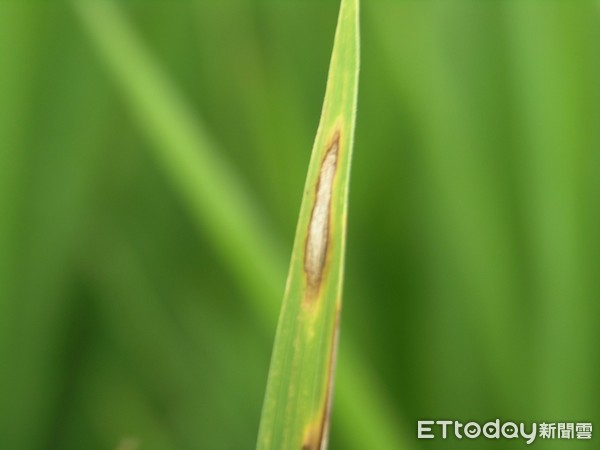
(299, 391)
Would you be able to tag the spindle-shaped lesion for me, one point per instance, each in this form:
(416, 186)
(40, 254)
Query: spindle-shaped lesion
(318, 231)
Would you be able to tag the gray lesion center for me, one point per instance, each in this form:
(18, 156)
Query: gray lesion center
(317, 239)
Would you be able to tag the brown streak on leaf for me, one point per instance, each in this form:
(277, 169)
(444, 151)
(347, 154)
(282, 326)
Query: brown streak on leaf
(317, 435)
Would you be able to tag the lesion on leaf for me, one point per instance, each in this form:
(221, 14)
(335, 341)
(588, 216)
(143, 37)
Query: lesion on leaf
(316, 433)
(318, 232)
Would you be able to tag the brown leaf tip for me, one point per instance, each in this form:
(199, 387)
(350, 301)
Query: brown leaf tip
(317, 240)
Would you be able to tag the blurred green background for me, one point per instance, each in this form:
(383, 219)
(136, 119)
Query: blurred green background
(152, 161)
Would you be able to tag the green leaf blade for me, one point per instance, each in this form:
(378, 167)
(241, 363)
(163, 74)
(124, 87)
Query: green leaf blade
(298, 399)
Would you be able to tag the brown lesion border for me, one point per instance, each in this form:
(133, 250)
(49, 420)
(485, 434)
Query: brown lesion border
(314, 271)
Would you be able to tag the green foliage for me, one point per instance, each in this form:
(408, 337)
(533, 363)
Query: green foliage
(299, 394)
(152, 156)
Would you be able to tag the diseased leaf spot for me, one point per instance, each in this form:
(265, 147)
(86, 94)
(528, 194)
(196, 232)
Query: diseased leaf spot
(317, 240)
(317, 434)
